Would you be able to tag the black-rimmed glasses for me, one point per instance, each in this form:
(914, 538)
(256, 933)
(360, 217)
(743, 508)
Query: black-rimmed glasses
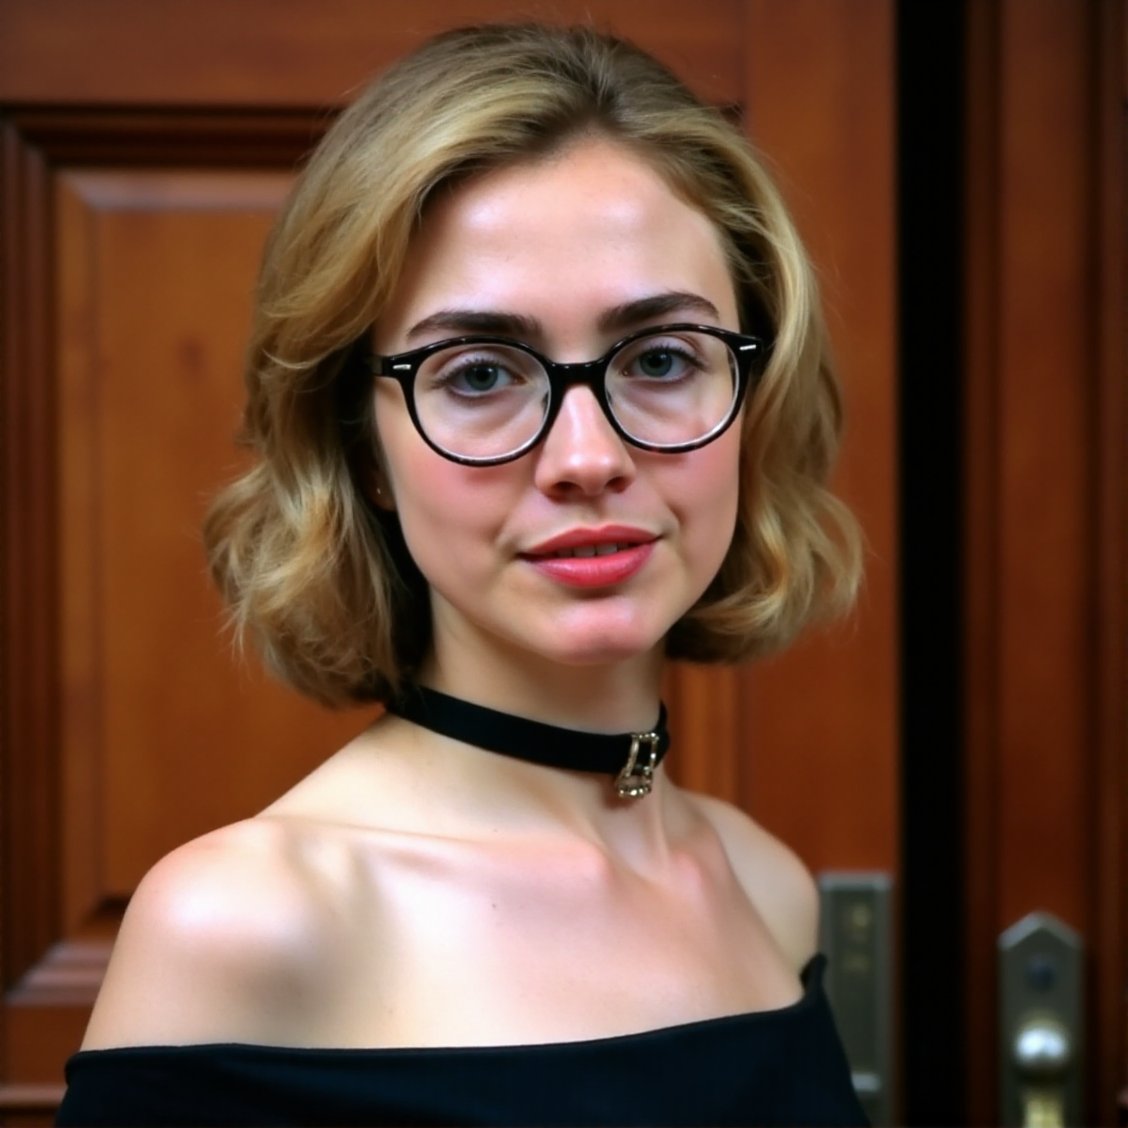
(482, 400)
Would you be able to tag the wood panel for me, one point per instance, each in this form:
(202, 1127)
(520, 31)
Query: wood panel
(1046, 457)
(128, 728)
(137, 180)
(154, 305)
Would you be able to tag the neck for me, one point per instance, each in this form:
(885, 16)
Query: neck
(619, 697)
(440, 785)
(614, 698)
(628, 759)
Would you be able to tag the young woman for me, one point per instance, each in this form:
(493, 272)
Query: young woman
(540, 399)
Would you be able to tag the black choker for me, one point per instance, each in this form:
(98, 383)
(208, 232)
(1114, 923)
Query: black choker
(631, 756)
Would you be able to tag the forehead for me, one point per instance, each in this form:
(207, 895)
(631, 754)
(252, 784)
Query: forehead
(560, 239)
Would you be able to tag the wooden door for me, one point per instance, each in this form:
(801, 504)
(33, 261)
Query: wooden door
(1015, 525)
(1046, 511)
(146, 145)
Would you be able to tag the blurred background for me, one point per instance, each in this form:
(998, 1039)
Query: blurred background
(949, 762)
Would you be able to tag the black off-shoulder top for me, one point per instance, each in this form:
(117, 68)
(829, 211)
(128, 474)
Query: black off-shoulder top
(779, 1067)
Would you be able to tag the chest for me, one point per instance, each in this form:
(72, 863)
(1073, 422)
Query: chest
(497, 946)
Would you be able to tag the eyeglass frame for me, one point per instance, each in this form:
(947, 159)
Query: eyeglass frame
(749, 352)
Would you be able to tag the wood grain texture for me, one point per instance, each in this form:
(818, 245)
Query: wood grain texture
(821, 721)
(179, 738)
(263, 53)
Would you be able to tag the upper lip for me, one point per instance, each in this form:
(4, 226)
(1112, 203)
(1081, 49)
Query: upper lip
(579, 538)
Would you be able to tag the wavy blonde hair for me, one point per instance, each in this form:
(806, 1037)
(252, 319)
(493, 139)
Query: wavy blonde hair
(308, 566)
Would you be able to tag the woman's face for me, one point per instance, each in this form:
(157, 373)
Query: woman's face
(568, 254)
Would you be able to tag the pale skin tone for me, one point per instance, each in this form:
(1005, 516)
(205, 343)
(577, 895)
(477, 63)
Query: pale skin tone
(415, 891)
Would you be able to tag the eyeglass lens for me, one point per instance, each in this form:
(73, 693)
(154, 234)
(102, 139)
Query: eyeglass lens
(487, 400)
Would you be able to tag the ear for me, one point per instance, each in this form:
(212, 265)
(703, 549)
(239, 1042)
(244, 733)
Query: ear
(379, 492)
(372, 476)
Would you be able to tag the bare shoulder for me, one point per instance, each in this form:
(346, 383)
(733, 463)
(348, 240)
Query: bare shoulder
(772, 874)
(220, 943)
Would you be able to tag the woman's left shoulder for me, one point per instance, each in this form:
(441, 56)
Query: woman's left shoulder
(772, 875)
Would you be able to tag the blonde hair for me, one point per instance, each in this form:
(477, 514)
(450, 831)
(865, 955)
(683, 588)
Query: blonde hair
(308, 566)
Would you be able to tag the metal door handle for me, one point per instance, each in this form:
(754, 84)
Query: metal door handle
(1043, 1052)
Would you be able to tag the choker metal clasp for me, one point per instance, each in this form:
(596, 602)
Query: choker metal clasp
(637, 779)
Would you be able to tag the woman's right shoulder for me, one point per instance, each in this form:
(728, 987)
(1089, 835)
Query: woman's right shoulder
(223, 940)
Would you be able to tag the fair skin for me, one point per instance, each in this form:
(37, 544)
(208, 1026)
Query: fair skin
(416, 891)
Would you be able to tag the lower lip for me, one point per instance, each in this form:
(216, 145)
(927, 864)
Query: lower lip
(594, 571)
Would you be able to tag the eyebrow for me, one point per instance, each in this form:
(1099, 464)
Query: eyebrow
(621, 317)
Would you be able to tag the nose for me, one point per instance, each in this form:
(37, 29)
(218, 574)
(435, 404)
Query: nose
(582, 453)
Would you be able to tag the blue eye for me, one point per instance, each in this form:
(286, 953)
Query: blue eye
(479, 377)
(473, 375)
(655, 362)
(661, 362)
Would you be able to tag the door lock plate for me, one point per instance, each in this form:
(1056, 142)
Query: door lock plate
(857, 939)
(1040, 1052)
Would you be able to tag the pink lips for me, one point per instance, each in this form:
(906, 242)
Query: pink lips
(591, 558)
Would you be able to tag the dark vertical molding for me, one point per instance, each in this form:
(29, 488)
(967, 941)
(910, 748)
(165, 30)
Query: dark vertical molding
(28, 659)
(930, 43)
(1110, 867)
(982, 306)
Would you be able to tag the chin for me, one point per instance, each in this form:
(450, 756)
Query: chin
(596, 657)
(602, 647)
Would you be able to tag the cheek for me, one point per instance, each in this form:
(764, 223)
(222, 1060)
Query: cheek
(709, 488)
(417, 478)
(444, 509)
(436, 505)
(710, 511)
